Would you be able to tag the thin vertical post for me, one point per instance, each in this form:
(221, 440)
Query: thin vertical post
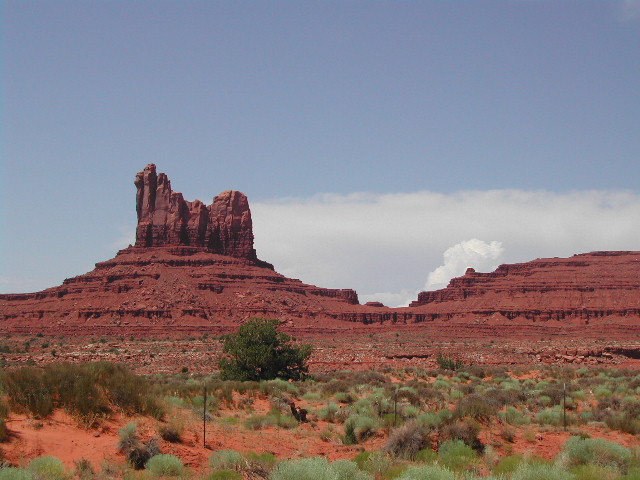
(395, 407)
(204, 417)
(564, 406)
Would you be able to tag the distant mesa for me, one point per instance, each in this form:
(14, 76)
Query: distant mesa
(194, 268)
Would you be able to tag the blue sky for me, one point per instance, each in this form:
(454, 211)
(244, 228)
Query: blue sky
(339, 120)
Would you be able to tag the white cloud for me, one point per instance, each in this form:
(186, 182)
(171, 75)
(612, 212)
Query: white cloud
(389, 243)
(400, 299)
(482, 256)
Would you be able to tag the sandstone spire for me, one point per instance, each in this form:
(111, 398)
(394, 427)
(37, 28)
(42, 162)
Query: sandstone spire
(166, 218)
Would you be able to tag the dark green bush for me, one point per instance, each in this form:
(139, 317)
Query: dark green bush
(449, 363)
(259, 352)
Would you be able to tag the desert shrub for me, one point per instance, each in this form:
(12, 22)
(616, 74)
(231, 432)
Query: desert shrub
(171, 432)
(513, 416)
(260, 461)
(86, 390)
(136, 451)
(634, 474)
(286, 421)
(374, 463)
(164, 465)
(225, 475)
(410, 411)
(226, 460)
(432, 420)
(457, 455)
(428, 472)
(346, 397)
(316, 468)
(499, 397)
(602, 392)
(12, 473)
(84, 469)
(258, 422)
(448, 363)
(465, 430)
(595, 472)
(426, 455)
(312, 397)
(407, 440)
(474, 406)
(411, 395)
(361, 426)
(624, 422)
(259, 352)
(334, 386)
(348, 470)
(540, 471)
(48, 468)
(27, 388)
(125, 389)
(508, 434)
(550, 416)
(4, 413)
(328, 412)
(582, 451)
(278, 385)
(508, 464)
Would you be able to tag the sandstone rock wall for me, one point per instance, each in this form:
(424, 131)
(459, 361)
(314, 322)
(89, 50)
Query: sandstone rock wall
(165, 218)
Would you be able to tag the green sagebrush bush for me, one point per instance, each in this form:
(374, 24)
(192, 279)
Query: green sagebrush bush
(582, 451)
(12, 473)
(318, 468)
(457, 455)
(360, 427)
(225, 475)
(165, 465)
(48, 468)
(595, 472)
(226, 460)
(328, 412)
(540, 471)
(428, 472)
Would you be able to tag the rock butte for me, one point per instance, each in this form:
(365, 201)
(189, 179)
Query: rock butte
(194, 268)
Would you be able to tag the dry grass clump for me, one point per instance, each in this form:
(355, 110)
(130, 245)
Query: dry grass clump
(407, 440)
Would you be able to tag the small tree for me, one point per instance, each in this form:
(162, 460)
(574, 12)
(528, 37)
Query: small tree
(259, 352)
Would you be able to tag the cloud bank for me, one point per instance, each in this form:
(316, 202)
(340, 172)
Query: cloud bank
(389, 246)
(474, 253)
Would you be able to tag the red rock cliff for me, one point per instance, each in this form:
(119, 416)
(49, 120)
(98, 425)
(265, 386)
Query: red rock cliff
(165, 218)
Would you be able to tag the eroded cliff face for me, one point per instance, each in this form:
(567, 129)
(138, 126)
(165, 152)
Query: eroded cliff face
(583, 288)
(165, 218)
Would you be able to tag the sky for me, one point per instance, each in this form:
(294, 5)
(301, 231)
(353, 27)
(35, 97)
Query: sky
(384, 146)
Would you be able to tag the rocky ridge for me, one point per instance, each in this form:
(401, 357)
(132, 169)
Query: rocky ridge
(194, 267)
